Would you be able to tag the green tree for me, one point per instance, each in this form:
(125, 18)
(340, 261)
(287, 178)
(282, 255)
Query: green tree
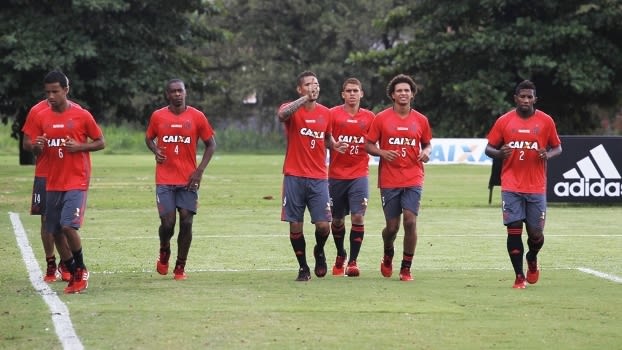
(118, 54)
(469, 55)
(270, 42)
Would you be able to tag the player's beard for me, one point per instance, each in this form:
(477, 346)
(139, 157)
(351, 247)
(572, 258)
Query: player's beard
(525, 110)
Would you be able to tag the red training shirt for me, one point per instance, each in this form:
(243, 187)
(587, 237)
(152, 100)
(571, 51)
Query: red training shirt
(41, 163)
(66, 170)
(404, 135)
(178, 136)
(524, 171)
(306, 148)
(354, 163)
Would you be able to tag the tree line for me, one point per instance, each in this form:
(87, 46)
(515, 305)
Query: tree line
(239, 58)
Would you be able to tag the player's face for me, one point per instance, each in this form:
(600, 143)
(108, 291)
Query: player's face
(309, 86)
(352, 94)
(176, 94)
(402, 94)
(525, 100)
(55, 94)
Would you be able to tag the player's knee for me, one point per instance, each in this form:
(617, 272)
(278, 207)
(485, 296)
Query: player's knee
(322, 230)
(358, 219)
(337, 223)
(391, 230)
(186, 220)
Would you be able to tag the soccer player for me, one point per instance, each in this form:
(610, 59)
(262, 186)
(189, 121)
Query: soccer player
(525, 138)
(305, 182)
(68, 134)
(401, 137)
(37, 206)
(348, 175)
(172, 135)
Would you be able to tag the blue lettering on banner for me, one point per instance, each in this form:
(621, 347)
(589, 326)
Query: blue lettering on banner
(459, 151)
(455, 151)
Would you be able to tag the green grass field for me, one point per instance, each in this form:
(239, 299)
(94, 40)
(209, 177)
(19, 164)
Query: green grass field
(241, 291)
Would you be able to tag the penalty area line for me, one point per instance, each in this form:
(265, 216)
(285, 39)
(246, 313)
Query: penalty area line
(58, 310)
(609, 277)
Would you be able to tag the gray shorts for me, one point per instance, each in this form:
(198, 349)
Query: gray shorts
(64, 209)
(394, 200)
(171, 197)
(348, 196)
(300, 193)
(37, 205)
(524, 207)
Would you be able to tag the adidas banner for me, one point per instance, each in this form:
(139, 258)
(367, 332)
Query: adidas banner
(588, 170)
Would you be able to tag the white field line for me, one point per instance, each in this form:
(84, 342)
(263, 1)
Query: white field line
(58, 310)
(610, 277)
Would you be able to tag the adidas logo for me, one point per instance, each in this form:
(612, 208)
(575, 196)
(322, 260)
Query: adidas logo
(594, 176)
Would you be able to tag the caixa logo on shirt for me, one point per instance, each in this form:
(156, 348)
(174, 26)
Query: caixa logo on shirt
(351, 139)
(402, 141)
(176, 139)
(56, 142)
(593, 176)
(312, 133)
(523, 145)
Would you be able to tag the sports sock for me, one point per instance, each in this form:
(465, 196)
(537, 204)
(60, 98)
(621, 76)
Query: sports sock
(70, 264)
(407, 260)
(51, 260)
(180, 263)
(165, 248)
(534, 248)
(79, 258)
(516, 249)
(338, 236)
(299, 245)
(356, 239)
(390, 252)
(321, 238)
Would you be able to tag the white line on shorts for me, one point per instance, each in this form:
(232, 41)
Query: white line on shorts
(58, 310)
(606, 276)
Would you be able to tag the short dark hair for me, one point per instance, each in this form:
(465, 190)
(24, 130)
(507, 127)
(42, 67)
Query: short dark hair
(303, 75)
(173, 81)
(56, 76)
(401, 78)
(525, 85)
(352, 81)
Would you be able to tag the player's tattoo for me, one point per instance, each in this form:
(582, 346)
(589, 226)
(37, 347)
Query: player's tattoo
(288, 110)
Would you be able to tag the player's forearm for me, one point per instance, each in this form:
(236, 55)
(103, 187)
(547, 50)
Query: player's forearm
(493, 152)
(372, 149)
(289, 109)
(553, 152)
(151, 145)
(27, 144)
(210, 148)
(96, 145)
